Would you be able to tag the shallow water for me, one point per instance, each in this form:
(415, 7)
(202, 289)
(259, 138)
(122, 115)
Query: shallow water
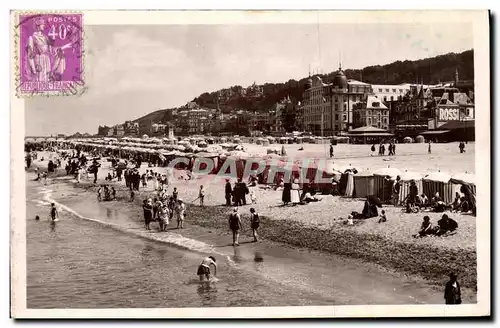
(112, 262)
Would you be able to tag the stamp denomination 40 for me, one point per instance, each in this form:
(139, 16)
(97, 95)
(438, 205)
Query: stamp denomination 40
(49, 54)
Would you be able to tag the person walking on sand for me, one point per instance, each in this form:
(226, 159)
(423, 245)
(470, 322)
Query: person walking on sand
(235, 226)
(331, 151)
(452, 294)
(201, 195)
(180, 209)
(372, 149)
(254, 223)
(429, 150)
(163, 216)
(175, 193)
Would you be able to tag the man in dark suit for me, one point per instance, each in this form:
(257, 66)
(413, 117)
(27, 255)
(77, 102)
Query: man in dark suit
(228, 191)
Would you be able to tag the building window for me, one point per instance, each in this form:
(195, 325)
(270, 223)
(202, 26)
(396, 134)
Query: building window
(345, 118)
(393, 90)
(369, 121)
(336, 127)
(336, 117)
(336, 106)
(392, 98)
(369, 113)
(379, 90)
(386, 90)
(385, 98)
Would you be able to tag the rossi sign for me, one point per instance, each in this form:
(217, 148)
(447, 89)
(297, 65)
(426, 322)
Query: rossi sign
(456, 114)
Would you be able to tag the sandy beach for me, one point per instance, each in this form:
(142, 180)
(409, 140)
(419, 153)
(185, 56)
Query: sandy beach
(320, 225)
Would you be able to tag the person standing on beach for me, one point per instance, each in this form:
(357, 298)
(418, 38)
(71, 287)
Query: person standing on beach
(28, 160)
(201, 195)
(429, 150)
(148, 213)
(452, 294)
(254, 223)
(163, 216)
(235, 226)
(175, 193)
(462, 147)
(228, 191)
(180, 209)
(331, 151)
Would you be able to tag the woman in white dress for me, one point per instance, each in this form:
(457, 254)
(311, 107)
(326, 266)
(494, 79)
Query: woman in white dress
(295, 197)
(157, 182)
(350, 184)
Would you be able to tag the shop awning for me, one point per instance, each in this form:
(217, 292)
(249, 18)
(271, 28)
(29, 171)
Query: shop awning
(435, 132)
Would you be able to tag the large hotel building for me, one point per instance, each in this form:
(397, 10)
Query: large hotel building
(331, 104)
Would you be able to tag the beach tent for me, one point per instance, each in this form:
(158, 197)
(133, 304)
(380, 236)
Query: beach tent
(468, 182)
(406, 178)
(383, 187)
(438, 182)
(364, 184)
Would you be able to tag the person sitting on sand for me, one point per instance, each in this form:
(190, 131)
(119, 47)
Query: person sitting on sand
(204, 268)
(383, 217)
(456, 203)
(446, 225)
(308, 198)
(426, 228)
(423, 201)
(369, 209)
(435, 199)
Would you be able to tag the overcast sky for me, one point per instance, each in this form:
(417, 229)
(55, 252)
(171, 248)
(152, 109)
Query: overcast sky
(133, 70)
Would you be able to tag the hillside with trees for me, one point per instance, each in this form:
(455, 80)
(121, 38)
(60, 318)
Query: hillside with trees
(431, 70)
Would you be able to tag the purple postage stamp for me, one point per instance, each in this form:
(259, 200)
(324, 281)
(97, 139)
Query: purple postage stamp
(50, 54)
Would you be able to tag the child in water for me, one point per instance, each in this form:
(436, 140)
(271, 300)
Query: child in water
(204, 268)
(53, 212)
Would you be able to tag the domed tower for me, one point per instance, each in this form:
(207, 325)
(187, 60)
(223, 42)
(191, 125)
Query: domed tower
(309, 83)
(339, 79)
(340, 106)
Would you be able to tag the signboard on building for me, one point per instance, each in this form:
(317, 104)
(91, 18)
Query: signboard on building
(456, 114)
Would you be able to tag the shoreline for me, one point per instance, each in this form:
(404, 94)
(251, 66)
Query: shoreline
(431, 263)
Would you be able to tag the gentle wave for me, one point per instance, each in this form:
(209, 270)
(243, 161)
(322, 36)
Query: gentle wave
(169, 238)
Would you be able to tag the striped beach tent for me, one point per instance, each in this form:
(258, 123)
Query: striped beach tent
(460, 179)
(382, 187)
(406, 178)
(364, 184)
(439, 182)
